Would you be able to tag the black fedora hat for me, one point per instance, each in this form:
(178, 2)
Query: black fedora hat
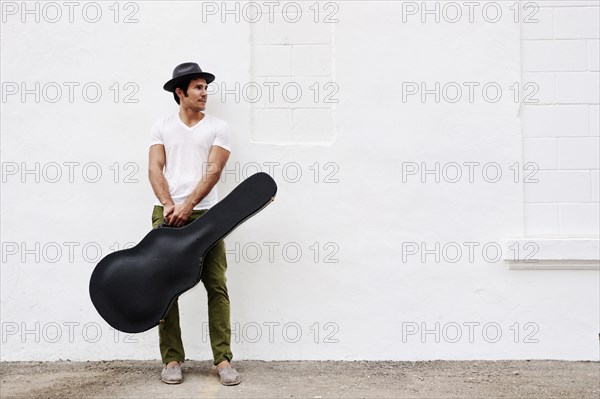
(187, 70)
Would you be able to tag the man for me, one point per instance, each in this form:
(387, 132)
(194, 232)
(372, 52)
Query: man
(188, 151)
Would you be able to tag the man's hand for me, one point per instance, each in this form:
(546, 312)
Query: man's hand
(168, 212)
(181, 213)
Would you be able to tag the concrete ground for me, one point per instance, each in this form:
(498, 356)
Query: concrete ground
(306, 379)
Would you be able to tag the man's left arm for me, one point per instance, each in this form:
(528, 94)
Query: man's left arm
(217, 158)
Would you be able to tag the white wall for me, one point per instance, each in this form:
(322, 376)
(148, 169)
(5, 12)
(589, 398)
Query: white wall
(379, 275)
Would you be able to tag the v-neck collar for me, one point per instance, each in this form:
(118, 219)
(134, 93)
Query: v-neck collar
(182, 123)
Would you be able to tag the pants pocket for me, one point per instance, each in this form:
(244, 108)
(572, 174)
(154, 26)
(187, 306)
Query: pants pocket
(157, 216)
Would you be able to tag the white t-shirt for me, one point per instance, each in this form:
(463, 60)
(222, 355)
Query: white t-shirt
(187, 150)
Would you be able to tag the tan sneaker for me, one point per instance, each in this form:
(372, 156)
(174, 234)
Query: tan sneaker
(172, 375)
(229, 376)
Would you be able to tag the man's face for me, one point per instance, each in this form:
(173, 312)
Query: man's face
(196, 95)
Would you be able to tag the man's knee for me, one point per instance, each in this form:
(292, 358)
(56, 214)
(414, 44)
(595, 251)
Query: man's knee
(216, 285)
(214, 268)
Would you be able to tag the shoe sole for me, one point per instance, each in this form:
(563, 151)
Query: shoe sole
(232, 383)
(172, 382)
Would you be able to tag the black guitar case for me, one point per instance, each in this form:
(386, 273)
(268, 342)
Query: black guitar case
(132, 289)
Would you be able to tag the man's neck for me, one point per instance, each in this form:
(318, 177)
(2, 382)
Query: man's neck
(190, 117)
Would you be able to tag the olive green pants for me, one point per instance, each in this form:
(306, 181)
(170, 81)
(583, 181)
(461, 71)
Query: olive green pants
(213, 277)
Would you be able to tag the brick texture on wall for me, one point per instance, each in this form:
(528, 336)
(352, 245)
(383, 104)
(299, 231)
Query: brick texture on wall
(293, 64)
(560, 54)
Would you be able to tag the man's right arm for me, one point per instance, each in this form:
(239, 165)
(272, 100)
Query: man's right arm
(158, 181)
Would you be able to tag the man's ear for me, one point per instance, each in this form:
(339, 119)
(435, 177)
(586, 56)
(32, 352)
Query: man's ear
(179, 93)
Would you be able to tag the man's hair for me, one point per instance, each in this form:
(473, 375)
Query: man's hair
(183, 85)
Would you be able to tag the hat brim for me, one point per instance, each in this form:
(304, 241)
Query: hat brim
(171, 84)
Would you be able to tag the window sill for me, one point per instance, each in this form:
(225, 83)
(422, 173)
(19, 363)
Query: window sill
(533, 253)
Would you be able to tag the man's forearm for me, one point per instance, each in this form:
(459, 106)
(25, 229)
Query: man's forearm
(206, 184)
(217, 159)
(161, 187)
